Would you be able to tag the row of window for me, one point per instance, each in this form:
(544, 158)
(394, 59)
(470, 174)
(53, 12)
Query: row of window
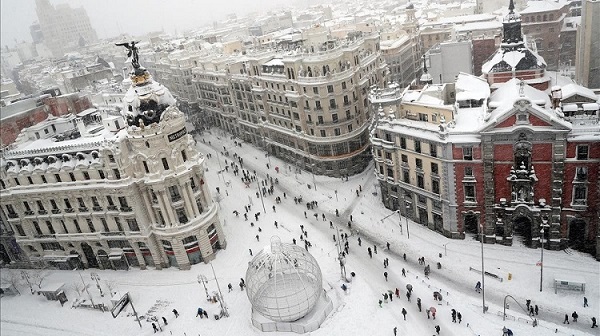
(83, 207)
(62, 228)
(57, 178)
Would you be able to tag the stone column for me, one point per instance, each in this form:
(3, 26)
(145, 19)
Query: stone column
(172, 219)
(180, 253)
(148, 205)
(158, 253)
(192, 198)
(138, 255)
(187, 201)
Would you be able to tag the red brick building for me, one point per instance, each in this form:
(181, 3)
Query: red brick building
(31, 111)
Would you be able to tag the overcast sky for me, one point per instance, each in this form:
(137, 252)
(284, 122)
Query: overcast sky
(135, 17)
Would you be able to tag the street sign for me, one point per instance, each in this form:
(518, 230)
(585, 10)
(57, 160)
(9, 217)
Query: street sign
(120, 305)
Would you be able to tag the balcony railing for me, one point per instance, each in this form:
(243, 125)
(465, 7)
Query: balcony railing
(42, 212)
(28, 213)
(126, 209)
(112, 208)
(97, 208)
(13, 215)
(55, 211)
(69, 210)
(83, 209)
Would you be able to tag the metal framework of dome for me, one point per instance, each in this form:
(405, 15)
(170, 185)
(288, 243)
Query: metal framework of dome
(284, 282)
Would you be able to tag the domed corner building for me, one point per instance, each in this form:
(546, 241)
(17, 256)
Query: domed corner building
(110, 188)
(284, 286)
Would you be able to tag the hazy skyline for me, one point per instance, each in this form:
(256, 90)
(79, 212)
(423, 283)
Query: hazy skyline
(136, 17)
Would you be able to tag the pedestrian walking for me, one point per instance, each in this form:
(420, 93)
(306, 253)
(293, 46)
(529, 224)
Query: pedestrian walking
(403, 272)
(419, 304)
(391, 296)
(385, 275)
(164, 320)
(276, 225)
(199, 312)
(304, 213)
(408, 296)
(437, 329)
(531, 311)
(359, 241)
(574, 316)
(527, 303)
(454, 315)
(257, 239)
(230, 287)
(459, 316)
(566, 321)
(428, 312)
(585, 302)
(404, 313)
(380, 302)
(536, 310)
(375, 249)
(176, 313)
(250, 250)
(370, 253)
(294, 241)
(395, 330)
(154, 327)
(333, 237)
(330, 224)
(594, 325)
(206, 314)
(397, 293)
(388, 245)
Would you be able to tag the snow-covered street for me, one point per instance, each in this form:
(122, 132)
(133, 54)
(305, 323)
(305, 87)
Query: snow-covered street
(357, 311)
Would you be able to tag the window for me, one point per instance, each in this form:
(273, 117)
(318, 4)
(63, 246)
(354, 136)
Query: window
(337, 131)
(469, 193)
(50, 227)
(19, 229)
(86, 175)
(101, 174)
(90, 225)
(579, 194)
(404, 158)
(81, 202)
(405, 176)
(174, 192)
(40, 205)
(57, 178)
(104, 224)
(434, 168)
(420, 181)
(72, 176)
(17, 181)
(334, 117)
(403, 143)
(332, 103)
(581, 174)
(330, 88)
(467, 153)
(133, 225)
(53, 204)
(423, 117)
(119, 225)
(343, 85)
(417, 146)
(123, 202)
(582, 152)
(318, 105)
(181, 216)
(43, 179)
(67, 203)
(110, 200)
(432, 150)
(419, 163)
(316, 90)
(435, 187)
(323, 133)
(183, 156)
(165, 163)
(95, 201)
(117, 174)
(77, 227)
(468, 171)
(145, 166)
(111, 158)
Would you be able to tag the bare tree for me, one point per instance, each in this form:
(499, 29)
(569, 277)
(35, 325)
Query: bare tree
(12, 278)
(38, 276)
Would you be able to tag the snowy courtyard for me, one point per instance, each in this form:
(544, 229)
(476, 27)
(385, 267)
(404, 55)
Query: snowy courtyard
(512, 270)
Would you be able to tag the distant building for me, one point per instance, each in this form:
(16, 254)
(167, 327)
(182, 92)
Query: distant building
(64, 28)
(588, 46)
(448, 59)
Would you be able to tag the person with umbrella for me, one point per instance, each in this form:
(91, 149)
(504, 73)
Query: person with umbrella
(432, 310)
(409, 288)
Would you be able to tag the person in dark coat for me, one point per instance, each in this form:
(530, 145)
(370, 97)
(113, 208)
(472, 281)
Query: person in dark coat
(403, 272)
(198, 313)
(536, 309)
(404, 313)
(437, 329)
(566, 321)
(154, 327)
(385, 275)
(419, 304)
(408, 296)
(459, 316)
(574, 316)
(164, 320)
(594, 325)
(454, 315)
(370, 252)
(395, 330)
(176, 313)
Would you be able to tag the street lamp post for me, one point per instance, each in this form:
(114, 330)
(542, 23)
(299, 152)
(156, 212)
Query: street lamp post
(202, 279)
(313, 174)
(341, 259)
(406, 217)
(482, 269)
(544, 225)
(222, 300)
(86, 289)
(261, 196)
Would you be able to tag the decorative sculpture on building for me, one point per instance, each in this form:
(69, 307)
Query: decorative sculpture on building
(132, 53)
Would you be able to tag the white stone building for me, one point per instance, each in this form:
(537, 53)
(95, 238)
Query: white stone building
(112, 190)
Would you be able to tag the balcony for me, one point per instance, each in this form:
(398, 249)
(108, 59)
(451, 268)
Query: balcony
(69, 210)
(175, 198)
(13, 215)
(97, 208)
(112, 208)
(83, 209)
(109, 234)
(42, 212)
(28, 213)
(55, 211)
(126, 209)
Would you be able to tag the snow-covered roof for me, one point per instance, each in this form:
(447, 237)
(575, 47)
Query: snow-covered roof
(471, 87)
(274, 62)
(507, 93)
(505, 60)
(542, 6)
(573, 89)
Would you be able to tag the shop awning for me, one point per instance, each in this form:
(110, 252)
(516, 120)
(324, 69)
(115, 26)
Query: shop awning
(56, 258)
(115, 255)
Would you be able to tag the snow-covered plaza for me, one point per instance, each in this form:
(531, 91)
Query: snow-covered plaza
(513, 270)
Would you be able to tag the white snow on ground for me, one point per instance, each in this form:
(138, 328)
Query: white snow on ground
(357, 311)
